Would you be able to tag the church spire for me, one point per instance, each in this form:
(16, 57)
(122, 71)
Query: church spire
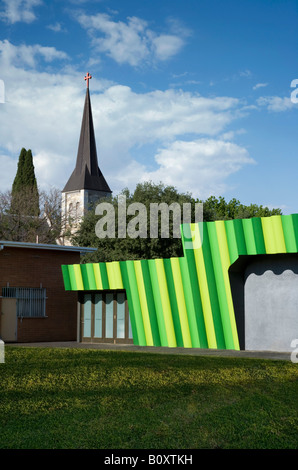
(87, 174)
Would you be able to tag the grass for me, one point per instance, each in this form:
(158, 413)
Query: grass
(92, 399)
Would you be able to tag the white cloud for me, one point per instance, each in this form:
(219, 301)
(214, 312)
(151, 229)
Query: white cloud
(275, 103)
(245, 73)
(27, 56)
(168, 135)
(19, 10)
(57, 28)
(131, 42)
(162, 115)
(201, 166)
(260, 85)
(166, 45)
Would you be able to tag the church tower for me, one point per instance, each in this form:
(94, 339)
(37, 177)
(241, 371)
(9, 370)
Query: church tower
(86, 184)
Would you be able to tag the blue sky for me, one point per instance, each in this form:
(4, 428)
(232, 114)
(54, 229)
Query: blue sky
(193, 93)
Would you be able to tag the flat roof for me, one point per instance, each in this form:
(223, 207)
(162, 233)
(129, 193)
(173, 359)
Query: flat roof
(43, 246)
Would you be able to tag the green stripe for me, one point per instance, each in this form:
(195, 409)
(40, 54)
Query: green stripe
(249, 237)
(97, 276)
(204, 291)
(150, 302)
(190, 257)
(173, 301)
(289, 233)
(210, 238)
(104, 276)
(157, 302)
(66, 278)
(220, 285)
(72, 277)
(189, 302)
(91, 276)
(164, 295)
(295, 227)
(240, 238)
(258, 236)
(143, 302)
(231, 240)
(232, 342)
(179, 294)
(132, 313)
(85, 276)
(136, 302)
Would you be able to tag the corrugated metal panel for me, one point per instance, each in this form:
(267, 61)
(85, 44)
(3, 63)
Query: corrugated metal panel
(187, 302)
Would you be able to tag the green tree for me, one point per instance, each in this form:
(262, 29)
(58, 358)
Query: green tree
(19, 180)
(220, 209)
(115, 248)
(25, 185)
(47, 227)
(118, 248)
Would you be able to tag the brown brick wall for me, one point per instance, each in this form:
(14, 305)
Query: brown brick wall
(26, 267)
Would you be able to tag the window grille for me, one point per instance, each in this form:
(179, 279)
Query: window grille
(31, 302)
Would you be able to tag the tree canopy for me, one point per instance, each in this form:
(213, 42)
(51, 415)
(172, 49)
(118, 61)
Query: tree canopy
(16, 225)
(28, 214)
(124, 248)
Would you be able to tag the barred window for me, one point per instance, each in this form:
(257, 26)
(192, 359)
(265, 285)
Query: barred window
(31, 302)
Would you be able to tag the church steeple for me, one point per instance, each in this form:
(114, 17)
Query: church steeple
(87, 174)
(86, 185)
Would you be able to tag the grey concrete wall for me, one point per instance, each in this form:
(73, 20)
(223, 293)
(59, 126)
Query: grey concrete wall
(271, 303)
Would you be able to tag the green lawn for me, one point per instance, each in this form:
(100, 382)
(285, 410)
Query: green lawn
(92, 399)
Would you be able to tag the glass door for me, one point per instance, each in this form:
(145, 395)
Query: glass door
(105, 317)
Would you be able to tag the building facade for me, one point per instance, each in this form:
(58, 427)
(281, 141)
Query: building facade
(212, 297)
(33, 303)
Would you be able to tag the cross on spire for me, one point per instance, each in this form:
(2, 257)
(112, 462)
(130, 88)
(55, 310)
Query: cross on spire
(87, 78)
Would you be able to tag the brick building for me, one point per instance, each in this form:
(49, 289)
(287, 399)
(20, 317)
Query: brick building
(33, 304)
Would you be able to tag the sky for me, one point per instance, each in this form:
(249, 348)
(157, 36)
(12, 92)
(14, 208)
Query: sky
(197, 94)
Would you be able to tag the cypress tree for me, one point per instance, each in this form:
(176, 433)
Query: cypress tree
(18, 181)
(25, 198)
(30, 183)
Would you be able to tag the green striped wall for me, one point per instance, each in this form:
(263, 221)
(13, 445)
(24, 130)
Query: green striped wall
(187, 302)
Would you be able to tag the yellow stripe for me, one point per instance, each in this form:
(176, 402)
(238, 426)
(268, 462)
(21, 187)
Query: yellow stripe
(117, 275)
(273, 234)
(114, 275)
(97, 276)
(166, 306)
(268, 235)
(181, 302)
(226, 263)
(78, 276)
(204, 291)
(143, 303)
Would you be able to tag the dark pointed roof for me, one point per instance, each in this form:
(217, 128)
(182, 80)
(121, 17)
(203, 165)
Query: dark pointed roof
(87, 174)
